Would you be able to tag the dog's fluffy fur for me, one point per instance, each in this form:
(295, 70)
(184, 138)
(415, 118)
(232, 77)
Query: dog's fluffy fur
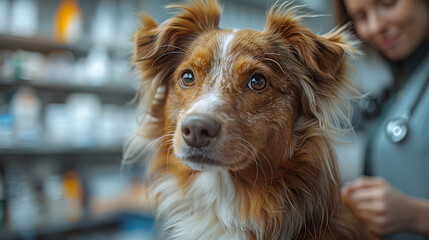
(271, 172)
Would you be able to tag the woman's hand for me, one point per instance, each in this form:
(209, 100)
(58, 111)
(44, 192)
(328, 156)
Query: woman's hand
(383, 209)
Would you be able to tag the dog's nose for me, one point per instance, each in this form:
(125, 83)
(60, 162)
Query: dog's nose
(198, 131)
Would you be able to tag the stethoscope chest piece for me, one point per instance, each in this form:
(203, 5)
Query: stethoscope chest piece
(397, 128)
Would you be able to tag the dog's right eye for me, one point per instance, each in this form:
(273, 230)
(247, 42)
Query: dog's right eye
(258, 82)
(187, 79)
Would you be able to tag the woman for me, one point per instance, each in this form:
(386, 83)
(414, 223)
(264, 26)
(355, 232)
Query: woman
(393, 202)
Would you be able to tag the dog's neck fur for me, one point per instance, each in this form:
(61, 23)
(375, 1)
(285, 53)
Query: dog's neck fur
(206, 209)
(224, 205)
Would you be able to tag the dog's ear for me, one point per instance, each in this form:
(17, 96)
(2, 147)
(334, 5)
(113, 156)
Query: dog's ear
(323, 55)
(323, 78)
(160, 48)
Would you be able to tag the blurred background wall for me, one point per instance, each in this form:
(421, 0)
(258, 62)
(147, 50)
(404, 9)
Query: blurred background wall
(65, 112)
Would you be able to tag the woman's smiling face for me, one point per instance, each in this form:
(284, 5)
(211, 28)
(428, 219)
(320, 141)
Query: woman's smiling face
(395, 27)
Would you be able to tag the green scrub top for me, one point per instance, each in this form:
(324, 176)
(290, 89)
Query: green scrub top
(405, 165)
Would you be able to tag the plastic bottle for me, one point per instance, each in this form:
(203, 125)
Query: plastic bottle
(73, 193)
(68, 22)
(83, 111)
(24, 17)
(4, 16)
(26, 112)
(98, 66)
(103, 30)
(55, 202)
(6, 131)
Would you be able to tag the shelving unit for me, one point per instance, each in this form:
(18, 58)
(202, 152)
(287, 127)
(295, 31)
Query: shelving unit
(44, 45)
(108, 94)
(29, 153)
(88, 226)
(61, 230)
(81, 160)
(39, 44)
(52, 92)
(67, 88)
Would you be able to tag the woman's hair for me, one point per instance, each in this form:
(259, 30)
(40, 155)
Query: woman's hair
(342, 16)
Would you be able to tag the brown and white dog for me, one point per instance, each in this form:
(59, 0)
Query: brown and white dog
(241, 124)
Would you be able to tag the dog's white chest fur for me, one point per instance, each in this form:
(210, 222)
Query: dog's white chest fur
(205, 211)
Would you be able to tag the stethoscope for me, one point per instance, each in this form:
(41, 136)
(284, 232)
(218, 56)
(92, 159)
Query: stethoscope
(397, 128)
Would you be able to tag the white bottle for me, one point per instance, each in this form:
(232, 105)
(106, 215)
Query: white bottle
(54, 202)
(4, 16)
(84, 111)
(26, 112)
(103, 30)
(24, 18)
(97, 66)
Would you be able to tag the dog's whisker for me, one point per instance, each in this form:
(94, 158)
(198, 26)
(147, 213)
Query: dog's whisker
(257, 168)
(180, 167)
(156, 144)
(258, 153)
(145, 57)
(277, 63)
(164, 129)
(170, 147)
(168, 156)
(254, 159)
(166, 143)
(256, 178)
(152, 144)
(265, 54)
(165, 54)
(189, 178)
(268, 162)
(186, 52)
(290, 202)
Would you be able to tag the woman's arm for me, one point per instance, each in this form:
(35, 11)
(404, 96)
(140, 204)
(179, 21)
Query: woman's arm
(385, 210)
(420, 209)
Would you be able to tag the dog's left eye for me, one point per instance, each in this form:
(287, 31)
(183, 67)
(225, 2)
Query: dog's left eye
(187, 79)
(257, 82)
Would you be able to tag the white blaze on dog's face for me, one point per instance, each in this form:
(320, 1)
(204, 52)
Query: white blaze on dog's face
(228, 99)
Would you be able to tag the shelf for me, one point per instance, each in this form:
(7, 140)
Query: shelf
(39, 44)
(62, 229)
(120, 221)
(114, 93)
(110, 90)
(57, 151)
(66, 155)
